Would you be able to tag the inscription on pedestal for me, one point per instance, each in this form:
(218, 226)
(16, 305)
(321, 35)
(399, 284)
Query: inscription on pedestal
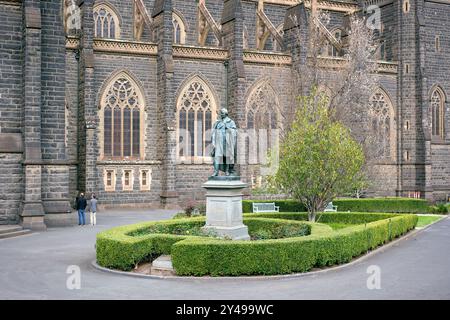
(224, 208)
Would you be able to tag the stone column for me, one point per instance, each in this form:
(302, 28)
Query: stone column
(87, 112)
(162, 17)
(55, 169)
(233, 40)
(423, 101)
(32, 215)
(414, 171)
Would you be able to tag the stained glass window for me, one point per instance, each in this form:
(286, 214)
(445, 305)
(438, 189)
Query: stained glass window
(122, 106)
(179, 30)
(381, 113)
(262, 114)
(106, 22)
(437, 113)
(196, 109)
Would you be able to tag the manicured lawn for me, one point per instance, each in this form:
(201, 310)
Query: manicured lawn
(337, 226)
(426, 220)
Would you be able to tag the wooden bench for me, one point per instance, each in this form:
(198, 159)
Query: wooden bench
(265, 207)
(330, 208)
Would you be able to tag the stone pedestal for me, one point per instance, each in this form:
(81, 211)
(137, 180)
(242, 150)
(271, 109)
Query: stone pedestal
(224, 207)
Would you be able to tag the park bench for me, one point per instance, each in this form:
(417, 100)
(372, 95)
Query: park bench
(265, 207)
(330, 208)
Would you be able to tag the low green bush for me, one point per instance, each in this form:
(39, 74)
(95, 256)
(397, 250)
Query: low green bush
(440, 209)
(268, 257)
(327, 217)
(390, 205)
(124, 247)
(394, 205)
(263, 228)
(285, 205)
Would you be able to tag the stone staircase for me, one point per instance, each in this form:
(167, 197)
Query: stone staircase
(11, 231)
(162, 266)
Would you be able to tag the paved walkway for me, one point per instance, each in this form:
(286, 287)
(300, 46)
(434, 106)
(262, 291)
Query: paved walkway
(34, 267)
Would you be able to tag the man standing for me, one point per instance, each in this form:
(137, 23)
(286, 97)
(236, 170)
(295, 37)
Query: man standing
(82, 204)
(224, 143)
(93, 209)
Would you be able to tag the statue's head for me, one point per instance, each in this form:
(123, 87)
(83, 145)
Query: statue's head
(223, 113)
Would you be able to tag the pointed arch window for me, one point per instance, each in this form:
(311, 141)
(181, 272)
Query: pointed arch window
(437, 113)
(179, 29)
(106, 22)
(263, 120)
(196, 111)
(330, 50)
(382, 125)
(71, 17)
(121, 116)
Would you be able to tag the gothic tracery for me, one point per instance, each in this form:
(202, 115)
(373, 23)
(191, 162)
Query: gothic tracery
(196, 111)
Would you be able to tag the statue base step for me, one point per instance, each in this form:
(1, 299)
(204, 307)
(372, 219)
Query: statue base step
(232, 233)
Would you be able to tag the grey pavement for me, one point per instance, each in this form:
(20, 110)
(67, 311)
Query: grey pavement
(34, 267)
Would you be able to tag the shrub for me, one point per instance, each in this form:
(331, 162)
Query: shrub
(440, 209)
(261, 234)
(117, 248)
(266, 228)
(394, 205)
(124, 247)
(285, 205)
(391, 205)
(189, 207)
(328, 217)
(232, 258)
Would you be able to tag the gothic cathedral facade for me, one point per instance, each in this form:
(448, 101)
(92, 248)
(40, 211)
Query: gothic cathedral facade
(115, 97)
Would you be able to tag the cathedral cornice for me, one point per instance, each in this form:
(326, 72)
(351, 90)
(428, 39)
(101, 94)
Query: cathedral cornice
(203, 53)
(128, 47)
(348, 7)
(259, 57)
(72, 43)
(116, 46)
(384, 67)
(387, 67)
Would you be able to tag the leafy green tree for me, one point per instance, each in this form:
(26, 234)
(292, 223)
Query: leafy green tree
(319, 159)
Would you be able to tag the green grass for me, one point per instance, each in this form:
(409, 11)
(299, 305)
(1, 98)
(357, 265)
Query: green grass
(426, 220)
(338, 226)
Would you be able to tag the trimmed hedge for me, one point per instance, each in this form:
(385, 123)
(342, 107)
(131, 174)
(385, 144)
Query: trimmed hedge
(197, 256)
(268, 257)
(327, 217)
(117, 248)
(285, 205)
(124, 247)
(394, 205)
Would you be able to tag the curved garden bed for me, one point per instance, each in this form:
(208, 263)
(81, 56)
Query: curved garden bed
(124, 247)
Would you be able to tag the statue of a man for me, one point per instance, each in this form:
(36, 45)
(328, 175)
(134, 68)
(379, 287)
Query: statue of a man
(224, 144)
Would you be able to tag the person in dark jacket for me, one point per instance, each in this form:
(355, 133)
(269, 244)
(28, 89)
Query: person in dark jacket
(81, 205)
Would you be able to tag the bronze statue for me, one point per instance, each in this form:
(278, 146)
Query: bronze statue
(224, 144)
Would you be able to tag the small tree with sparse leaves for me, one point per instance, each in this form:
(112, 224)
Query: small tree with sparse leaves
(319, 159)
